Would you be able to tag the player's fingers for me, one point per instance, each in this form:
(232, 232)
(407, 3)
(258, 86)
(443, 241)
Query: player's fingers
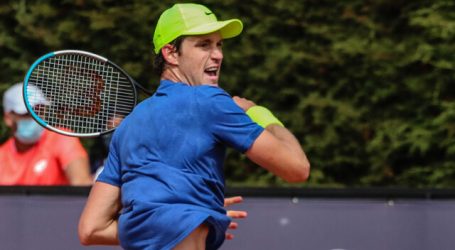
(229, 236)
(232, 200)
(233, 225)
(243, 103)
(237, 214)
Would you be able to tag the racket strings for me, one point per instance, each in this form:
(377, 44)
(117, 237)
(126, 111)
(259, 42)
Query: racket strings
(86, 95)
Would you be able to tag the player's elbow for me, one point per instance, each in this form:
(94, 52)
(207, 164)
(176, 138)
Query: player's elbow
(299, 172)
(85, 233)
(84, 238)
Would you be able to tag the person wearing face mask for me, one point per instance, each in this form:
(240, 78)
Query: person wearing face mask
(34, 155)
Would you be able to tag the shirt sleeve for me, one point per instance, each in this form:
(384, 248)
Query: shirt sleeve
(228, 122)
(111, 170)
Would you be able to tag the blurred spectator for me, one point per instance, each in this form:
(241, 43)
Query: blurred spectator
(34, 155)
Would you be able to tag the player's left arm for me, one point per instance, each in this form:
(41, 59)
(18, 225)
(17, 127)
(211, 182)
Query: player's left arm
(99, 219)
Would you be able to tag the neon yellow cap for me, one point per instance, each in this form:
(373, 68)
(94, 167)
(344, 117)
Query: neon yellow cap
(191, 19)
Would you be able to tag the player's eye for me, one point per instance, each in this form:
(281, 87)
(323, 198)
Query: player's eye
(203, 44)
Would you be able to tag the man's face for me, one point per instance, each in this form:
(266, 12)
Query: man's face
(199, 60)
(11, 119)
(26, 130)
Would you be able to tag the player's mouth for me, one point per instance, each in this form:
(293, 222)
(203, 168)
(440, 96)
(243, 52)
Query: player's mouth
(212, 72)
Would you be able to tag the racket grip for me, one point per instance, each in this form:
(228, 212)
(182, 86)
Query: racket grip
(262, 116)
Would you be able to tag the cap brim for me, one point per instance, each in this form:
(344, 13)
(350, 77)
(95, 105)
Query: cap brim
(22, 110)
(36, 97)
(228, 29)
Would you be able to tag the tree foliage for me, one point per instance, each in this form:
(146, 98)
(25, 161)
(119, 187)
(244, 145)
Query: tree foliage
(364, 85)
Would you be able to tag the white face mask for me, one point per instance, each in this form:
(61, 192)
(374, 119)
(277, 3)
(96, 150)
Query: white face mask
(28, 131)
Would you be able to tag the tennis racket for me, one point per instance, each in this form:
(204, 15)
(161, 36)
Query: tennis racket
(87, 95)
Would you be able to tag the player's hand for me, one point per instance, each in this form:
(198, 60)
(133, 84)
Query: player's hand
(243, 103)
(234, 214)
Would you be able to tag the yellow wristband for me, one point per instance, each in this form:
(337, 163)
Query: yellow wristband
(262, 116)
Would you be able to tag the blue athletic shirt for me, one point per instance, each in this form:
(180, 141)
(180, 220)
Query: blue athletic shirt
(167, 157)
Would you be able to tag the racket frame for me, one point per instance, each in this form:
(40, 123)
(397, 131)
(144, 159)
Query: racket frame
(43, 123)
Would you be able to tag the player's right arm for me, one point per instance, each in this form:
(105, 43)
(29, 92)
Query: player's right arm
(98, 222)
(277, 150)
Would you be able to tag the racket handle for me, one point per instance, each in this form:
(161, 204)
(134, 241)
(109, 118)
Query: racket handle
(142, 88)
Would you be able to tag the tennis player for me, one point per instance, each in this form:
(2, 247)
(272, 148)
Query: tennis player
(163, 185)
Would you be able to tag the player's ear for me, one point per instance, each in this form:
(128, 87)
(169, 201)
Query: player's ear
(170, 54)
